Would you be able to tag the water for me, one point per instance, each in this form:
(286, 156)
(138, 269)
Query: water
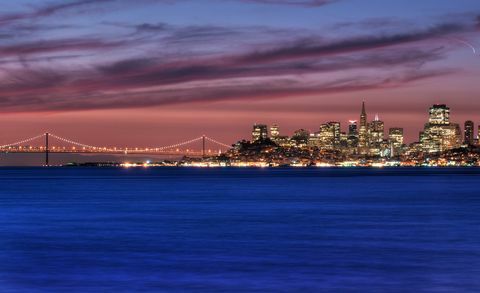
(218, 230)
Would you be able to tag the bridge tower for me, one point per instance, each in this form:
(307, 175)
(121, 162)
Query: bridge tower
(203, 145)
(46, 149)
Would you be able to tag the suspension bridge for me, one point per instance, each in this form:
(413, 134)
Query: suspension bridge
(51, 143)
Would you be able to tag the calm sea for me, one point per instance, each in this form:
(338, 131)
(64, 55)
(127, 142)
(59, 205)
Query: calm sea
(239, 230)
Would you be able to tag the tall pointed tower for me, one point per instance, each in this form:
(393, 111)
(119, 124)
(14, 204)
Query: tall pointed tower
(363, 131)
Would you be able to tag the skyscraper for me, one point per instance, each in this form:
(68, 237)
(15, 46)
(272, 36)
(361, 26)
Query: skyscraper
(301, 137)
(259, 132)
(439, 114)
(363, 132)
(468, 133)
(376, 131)
(395, 138)
(329, 135)
(352, 128)
(274, 132)
(439, 134)
(376, 134)
(352, 138)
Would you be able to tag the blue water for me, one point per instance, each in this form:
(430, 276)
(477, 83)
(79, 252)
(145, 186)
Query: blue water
(239, 230)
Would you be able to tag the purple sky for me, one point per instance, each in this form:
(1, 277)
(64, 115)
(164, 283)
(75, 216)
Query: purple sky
(153, 72)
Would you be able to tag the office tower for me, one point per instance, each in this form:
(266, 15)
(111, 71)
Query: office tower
(336, 132)
(468, 133)
(439, 114)
(352, 128)
(274, 132)
(363, 131)
(329, 135)
(478, 135)
(376, 131)
(301, 137)
(375, 136)
(395, 138)
(352, 137)
(259, 132)
(439, 134)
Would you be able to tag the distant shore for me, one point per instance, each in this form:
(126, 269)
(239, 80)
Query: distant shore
(171, 164)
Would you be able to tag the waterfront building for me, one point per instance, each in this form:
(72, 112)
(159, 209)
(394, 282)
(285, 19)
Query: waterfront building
(468, 133)
(259, 132)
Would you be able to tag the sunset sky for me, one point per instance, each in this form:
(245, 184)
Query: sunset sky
(152, 72)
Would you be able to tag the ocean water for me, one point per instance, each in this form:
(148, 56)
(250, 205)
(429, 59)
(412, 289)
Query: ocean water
(239, 230)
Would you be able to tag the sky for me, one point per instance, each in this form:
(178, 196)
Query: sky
(155, 72)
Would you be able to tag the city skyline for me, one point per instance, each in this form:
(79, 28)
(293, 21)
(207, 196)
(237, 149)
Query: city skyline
(368, 132)
(364, 132)
(112, 71)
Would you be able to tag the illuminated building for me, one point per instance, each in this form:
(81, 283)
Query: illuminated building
(439, 134)
(344, 142)
(363, 132)
(314, 139)
(352, 128)
(301, 137)
(478, 136)
(376, 131)
(439, 114)
(336, 132)
(274, 132)
(352, 137)
(329, 135)
(468, 132)
(395, 137)
(259, 132)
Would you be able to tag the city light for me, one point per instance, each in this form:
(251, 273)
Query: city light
(365, 144)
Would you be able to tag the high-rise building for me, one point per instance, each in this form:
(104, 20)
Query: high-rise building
(439, 114)
(395, 138)
(274, 132)
(376, 131)
(469, 133)
(336, 132)
(478, 134)
(301, 137)
(352, 137)
(329, 135)
(363, 132)
(439, 134)
(259, 132)
(352, 128)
